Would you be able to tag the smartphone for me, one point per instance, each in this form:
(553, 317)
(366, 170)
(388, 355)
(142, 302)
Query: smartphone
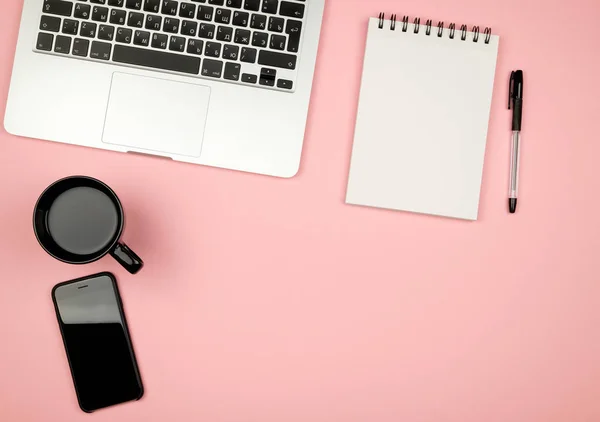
(96, 338)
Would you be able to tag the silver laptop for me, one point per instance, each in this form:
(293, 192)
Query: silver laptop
(224, 83)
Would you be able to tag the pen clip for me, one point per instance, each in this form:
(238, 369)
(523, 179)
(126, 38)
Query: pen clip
(511, 87)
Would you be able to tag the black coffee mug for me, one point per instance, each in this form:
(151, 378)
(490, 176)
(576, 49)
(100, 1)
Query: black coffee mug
(79, 219)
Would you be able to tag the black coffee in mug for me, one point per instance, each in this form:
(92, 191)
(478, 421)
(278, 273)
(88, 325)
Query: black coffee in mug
(79, 220)
(83, 220)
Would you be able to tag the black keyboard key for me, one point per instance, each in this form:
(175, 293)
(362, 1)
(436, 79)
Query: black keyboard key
(81, 47)
(225, 33)
(258, 21)
(294, 30)
(240, 18)
(44, 41)
(270, 6)
(206, 30)
(189, 28)
(106, 32)
(169, 7)
(62, 44)
(213, 49)
(141, 38)
(248, 55)
(232, 71)
(223, 16)
(177, 44)
(249, 79)
(212, 68)
(156, 59)
(70, 27)
(135, 20)
(285, 84)
(153, 22)
(82, 11)
(292, 10)
(160, 41)
(99, 14)
(242, 36)
(118, 17)
(98, 1)
(260, 39)
(100, 50)
(187, 10)
(266, 81)
(124, 35)
(58, 7)
(216, 2)
(267, 76)
(152, 6)
(195, 47)
(277, 42)
(231, 52)
(205, 13)
(134, 4)
(276, 24)
(171, 25)
(88, 29)
(117, 3)
(234, 3)
(253, 5)
(273, 59)
(50, 23)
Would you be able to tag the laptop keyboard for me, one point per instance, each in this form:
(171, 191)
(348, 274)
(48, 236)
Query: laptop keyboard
(249, 42)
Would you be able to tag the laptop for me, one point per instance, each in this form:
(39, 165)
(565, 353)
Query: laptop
(224, 83)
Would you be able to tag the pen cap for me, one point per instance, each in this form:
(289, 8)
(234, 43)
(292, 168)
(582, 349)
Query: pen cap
(515, 97)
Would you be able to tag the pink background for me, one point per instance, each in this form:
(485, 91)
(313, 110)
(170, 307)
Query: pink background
(270, 300)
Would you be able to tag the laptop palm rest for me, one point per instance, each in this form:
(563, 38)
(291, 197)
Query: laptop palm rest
(156, 115)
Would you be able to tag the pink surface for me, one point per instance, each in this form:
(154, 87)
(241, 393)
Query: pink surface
(270, 300)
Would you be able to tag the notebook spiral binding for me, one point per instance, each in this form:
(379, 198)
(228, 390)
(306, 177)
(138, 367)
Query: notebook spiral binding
(487, 32)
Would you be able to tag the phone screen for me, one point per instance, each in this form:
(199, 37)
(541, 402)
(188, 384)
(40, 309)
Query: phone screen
(97, 342)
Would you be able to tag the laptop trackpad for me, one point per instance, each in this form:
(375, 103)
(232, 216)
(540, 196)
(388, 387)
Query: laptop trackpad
(156, 115)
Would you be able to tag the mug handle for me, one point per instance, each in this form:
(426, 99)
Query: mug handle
(127, 258)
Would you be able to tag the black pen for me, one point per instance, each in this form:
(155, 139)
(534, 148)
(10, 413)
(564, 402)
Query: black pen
(515, 97)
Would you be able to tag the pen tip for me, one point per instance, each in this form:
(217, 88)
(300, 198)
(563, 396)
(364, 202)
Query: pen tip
(512, 205)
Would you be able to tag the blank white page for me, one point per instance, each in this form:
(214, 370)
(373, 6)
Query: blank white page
(422, 121)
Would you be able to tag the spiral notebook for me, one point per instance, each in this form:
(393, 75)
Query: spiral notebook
(422, 119)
